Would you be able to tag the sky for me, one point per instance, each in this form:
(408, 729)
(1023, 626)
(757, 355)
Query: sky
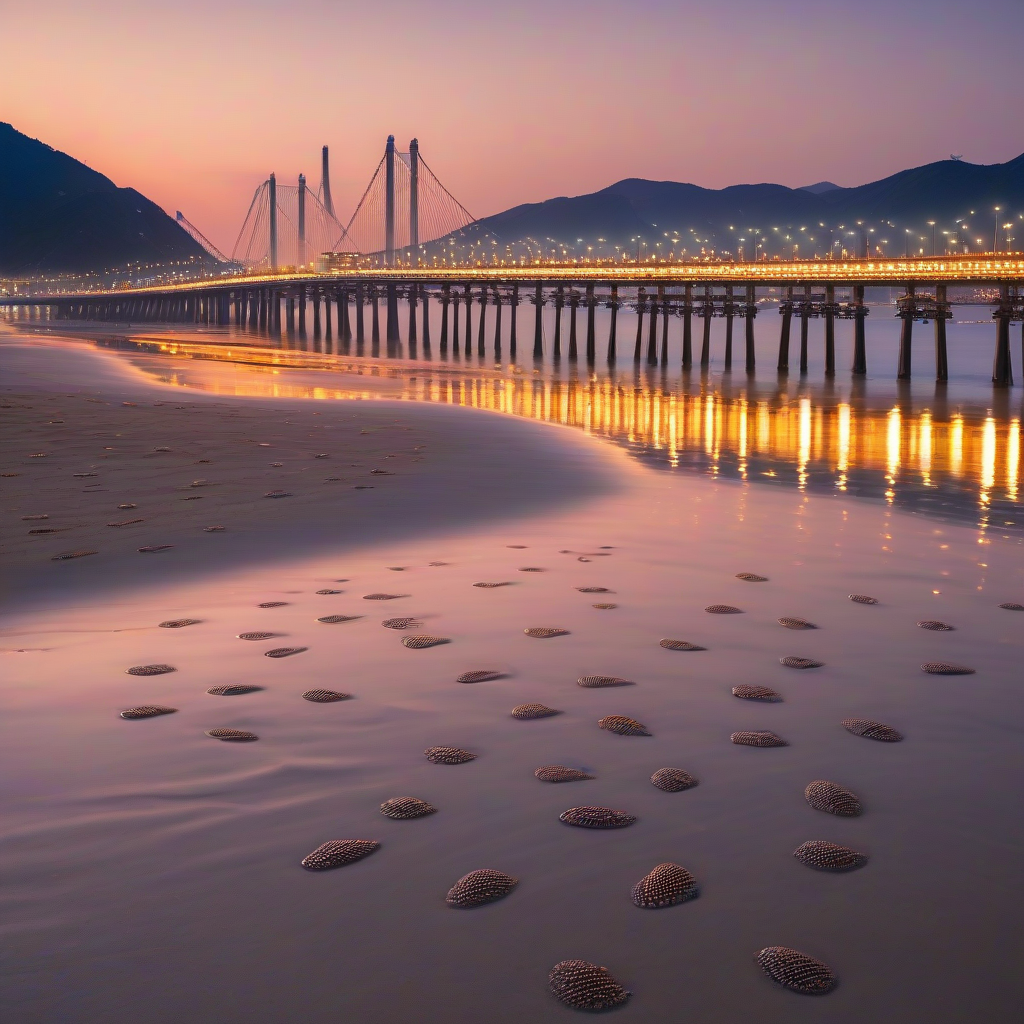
(194, 102)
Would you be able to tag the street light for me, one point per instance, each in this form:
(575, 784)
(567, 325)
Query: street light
(931, 224)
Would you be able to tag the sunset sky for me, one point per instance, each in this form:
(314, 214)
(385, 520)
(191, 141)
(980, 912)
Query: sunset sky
(194, 103)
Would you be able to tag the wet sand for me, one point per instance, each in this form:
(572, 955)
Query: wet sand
(153, 873)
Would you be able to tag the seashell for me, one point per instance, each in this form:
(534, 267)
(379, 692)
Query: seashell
(399, 623)
(793, 662)
(147, 711)
(71, 554)
(945, 668)
(518, 546)
(448, 755)
(582, 558)
(761, 738)
(680, 645)
(232, 735)
(935, 625)
(35, 517)
(1012, 606)
(872, 730)
(434, 564)
(322, 592)
(337, 618)
(322, 455)
(594, 682)
(828, 856)
(533, 711)
(723, 609)
(127, 522)
(178, 623)
(673, 780)
(83, 474)
(751, 577)
(593, 590)
(213, 529)
(545, 632)
(863, 599)
(127, 504)
(791, 623)
(559, 773)
(765, 693)
(52, 529)
(149, 670)
(796, 971)
(363, 487)
(532, 568)
(380, 472)
(585, 986)
(418, 642)
(233, 689)
(397, 568)
(605, 606)
(481, 886)
(665, 886)
(278, 494)
(596, 817)
(150, 549)
(271, 604)
(833, 799)
(257, 635)
(339, 852)
(623, 726)
(491, 586)
(383, 597)
(402, 808)
(325, 696)
(283, 652)
(479, 676)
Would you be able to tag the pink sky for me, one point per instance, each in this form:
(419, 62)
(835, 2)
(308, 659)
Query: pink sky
(195, 103)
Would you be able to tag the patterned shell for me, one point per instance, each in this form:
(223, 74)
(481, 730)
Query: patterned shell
(325, 696)
(232, 735)
(585, 986)
(623, 726)
(796, 971)
(666, 885)
(765, 693)
(793, 662)
(339, 852)
(593, 682)
(832, 798)
(448, 755)
(673, 780)
(545, 632)
(872, 730)
(596, 817)
(680, 645)
(559, 773)
(402, 808)
(149, 670)
(828, 856)
(525, 711)
(147, 711)
(481, 886)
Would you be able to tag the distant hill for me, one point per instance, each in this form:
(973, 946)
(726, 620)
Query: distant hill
(57, 215)
(681, 216)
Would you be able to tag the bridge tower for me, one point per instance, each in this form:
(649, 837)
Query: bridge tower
(414, 198)
(325, 183)
(273, 221)
(302, 220)
(389, 202)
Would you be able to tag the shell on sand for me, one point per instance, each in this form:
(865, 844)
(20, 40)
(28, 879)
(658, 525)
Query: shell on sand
(525, 711)
(517, 546)
(532, 568)
(585, 986)
(403, 808)
(872, 730)
(793, 662)
(127, 522)
(559, 773)
(339, 852)
(791, 623)
(673, 780)
(828, 856)
(383, 597)
(593, 682)
(399, 623)
(832, 798)
(751, 577)
(945, 668)
(232, 735)
(605, 606)
(484, 885)
(596, 817)
(213, 529)
(327, 590)
(233, 689)
(665, 886)
(418, 642)
(34, 518)
(147, 711)
(863, 599)
(593, 590)
(723, 609)
(283, 652)
(1012, 606)
(935, 625)
(545, 632)
(127, 504)
(796, 971)
(72, 554)
(765, 693)
(278, 494)
(482, 675)
(151, 549)
(178, 623)
(325, 696)
(760, 738)
(623, 726)
(271, 604)
(150, 670)
(491, 586)
(257, 635)
(448, 755)
(338, 618)
(680, 645)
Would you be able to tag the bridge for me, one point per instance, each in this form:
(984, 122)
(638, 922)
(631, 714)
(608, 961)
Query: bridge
(399, 246)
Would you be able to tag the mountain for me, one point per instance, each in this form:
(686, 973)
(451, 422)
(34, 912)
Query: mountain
(892, 215)
(57, 215)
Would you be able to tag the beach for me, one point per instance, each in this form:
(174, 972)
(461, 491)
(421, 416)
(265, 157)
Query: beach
(153, 873)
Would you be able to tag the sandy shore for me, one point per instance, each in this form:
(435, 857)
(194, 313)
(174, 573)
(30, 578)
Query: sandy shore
(152, 873)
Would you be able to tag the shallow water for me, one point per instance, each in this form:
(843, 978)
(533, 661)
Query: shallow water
(153, 872)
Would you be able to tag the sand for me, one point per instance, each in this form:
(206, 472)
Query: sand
(152, 873)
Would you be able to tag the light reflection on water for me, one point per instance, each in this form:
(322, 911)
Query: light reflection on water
(921, 453)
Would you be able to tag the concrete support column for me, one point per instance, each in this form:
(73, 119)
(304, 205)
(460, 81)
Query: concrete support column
(1002, 372)
(481, 344)
(906, 336)
(688, 327)
(469, 321)
(374, 317)
(559, 302)
(860, 356)
(591, 340)
(291, 314)
(393, 331)
(727, 365)
(830, 330)
(317, 323)
(455, 325)
(360, 307)
(641, 298)
(538, 326)
(805, 313)
(574, 301)
(749, 327)
(425, 313)
(652, 330)
(613, 324)
(705, 347)
(941, 363)
(445, 302)
(787, 323)
(497, 325)
(328, 326)
(513, 315)
(413, 338)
